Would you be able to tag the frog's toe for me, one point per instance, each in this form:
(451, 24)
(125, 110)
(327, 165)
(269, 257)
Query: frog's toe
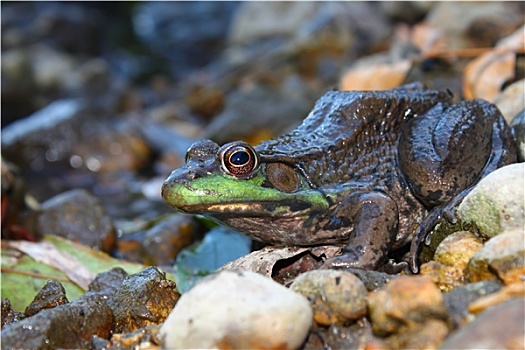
(392, 267)
(349, 259)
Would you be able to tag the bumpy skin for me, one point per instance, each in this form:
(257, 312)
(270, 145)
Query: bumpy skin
(369, 165)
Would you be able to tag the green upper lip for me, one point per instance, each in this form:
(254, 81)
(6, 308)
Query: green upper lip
(222, 194)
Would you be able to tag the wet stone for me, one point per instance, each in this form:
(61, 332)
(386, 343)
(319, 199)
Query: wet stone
(458, 300)
(238, 309)
(335, 296)
(9, 315)
(165, 240)
(51, 295)
(143, 299)
(457, 249)
(67, 326)
(426, 335)
(498, 327)
(501, 257)
(78, 216)
(496, 202)
(405, 303)
(445, 277)
(518, 129)
(355, 336)
(106, 283)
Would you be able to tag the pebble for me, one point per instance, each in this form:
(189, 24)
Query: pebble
(457, 249)
(501, 257)
(78, 216)
(143, 299)
(51, 295)
(499, 327)
(238, 310)
(405, 303)
(491, 211)
(518, 129)
(444, 276)
(459, 300)
(163, 242)
(510, 102)
(335, 296)
(451, 257)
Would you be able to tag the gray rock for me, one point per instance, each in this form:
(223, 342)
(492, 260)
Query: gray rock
(68, 326)
(499, 327)
(335, 296)
(518, 129)
(457, 301)
(51, 295)
(238, 310)
(78, 216)
(496, 204)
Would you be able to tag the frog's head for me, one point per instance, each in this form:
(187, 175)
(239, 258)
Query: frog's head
(236, 181)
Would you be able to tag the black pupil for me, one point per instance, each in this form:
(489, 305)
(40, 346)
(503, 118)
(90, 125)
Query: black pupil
(240, 158)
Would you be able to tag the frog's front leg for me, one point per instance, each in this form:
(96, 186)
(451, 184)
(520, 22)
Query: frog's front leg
(372, 218)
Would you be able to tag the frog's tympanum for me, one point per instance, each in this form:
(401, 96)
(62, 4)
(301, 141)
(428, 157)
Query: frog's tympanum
(372, 171)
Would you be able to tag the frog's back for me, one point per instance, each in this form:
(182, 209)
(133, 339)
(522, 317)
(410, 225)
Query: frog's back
(352, 135)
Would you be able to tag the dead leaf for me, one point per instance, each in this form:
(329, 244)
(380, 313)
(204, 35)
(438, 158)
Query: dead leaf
(48, 254)
(382, 76)
(427, 37)
(485, 75)
(263, 261)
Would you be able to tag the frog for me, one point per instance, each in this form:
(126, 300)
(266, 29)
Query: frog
(370, 171)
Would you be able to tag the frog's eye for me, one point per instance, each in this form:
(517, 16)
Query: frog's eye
(239, 159)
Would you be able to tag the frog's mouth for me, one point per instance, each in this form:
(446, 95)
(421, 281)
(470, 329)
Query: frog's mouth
(223, 196)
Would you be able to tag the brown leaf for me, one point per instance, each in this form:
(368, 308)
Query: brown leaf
(263, 261)
(382, 76)
(485, 75)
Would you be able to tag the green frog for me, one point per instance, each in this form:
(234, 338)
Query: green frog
(371, 171)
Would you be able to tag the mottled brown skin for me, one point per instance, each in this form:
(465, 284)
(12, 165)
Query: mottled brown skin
(381, 160)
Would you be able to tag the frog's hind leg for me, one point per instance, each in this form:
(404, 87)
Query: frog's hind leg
(445, 152)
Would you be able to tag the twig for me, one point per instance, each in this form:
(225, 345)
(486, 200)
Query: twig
(35, 274)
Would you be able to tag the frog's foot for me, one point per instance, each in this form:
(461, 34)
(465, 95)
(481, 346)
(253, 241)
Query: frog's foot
(424, 230)
(349, 259)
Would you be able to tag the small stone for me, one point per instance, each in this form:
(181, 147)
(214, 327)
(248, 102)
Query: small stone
(51, 295)
(496, 203)
(444, 276)
(106, 283)
(518, 129)
(405, 302)
(426, 335)
(459, 300)
(238, 309)
(9, 315)
(335, 296)
(457, 249)
(502, 257)
(78, 216)
(499, 327)
(165, 240)
(143, 299)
